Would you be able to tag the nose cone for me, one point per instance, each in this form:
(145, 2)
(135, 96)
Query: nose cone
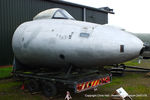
(117, 46)
(133, 45)
(129, 46)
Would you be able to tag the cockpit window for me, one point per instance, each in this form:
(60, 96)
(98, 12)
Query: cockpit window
(58, 15)
(62, 14)
(54, 13)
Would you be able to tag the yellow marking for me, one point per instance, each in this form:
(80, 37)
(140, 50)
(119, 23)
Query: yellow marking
(83, 86)
(95, 82)
(92, 83)
(87, 85)
(98, 82)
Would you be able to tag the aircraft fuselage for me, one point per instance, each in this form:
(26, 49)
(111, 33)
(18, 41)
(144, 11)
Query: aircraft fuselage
(57, 42)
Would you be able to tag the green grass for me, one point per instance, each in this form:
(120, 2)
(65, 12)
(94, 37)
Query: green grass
(133, 83)
(8, 86)
(10, 90)
(132, 62)
(5, 72)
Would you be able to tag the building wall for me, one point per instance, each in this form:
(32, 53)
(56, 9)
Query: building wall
(15, 12)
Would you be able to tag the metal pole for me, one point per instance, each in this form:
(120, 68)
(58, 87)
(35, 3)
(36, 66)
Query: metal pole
(84, 14)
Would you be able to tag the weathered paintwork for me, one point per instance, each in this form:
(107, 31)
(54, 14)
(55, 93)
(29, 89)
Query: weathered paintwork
(58, 42)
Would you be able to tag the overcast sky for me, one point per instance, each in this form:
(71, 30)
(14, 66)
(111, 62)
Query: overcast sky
(132, 15)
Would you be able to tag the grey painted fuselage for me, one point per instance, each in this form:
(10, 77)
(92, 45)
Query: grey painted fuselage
(48, 42)
(57, 42)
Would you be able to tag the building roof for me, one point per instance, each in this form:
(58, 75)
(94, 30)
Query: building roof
(82, 6)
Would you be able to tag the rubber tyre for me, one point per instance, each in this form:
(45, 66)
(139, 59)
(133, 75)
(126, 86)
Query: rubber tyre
(48, 89)
(32, 85)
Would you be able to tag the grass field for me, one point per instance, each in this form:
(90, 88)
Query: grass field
(5, 72)
(136, 84)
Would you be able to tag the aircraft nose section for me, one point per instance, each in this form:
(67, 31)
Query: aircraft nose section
(132, 46)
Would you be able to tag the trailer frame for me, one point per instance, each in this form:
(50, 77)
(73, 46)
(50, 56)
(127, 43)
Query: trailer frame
(78, 82)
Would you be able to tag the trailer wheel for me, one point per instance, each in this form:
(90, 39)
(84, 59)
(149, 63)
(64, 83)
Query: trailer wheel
(49, 89)
(32, 85)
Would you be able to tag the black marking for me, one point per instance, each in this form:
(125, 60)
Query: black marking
(62, 56)
(23, 39)
(121, 48)
(89, 84)
(52, 30)
(70, 36)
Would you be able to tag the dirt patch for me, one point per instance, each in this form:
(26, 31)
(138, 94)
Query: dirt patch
(6, 66)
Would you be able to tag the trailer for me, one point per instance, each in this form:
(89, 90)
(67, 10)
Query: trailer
(119, 70)
(50, 82)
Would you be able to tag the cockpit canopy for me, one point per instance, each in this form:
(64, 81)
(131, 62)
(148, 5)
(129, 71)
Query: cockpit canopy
(55, 13)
